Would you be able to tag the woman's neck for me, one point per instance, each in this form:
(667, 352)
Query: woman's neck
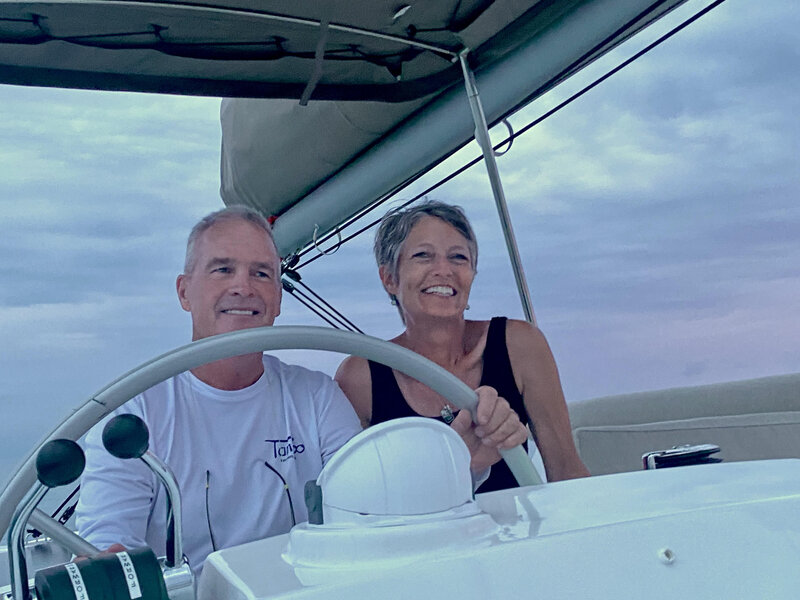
(443, 341)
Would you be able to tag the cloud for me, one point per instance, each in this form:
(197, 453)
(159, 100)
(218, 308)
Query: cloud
(662, 347)
(100, 191)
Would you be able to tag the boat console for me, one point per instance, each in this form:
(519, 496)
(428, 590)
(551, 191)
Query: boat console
(394, 514)
(129, 574)
(706, 531)
(396, 518)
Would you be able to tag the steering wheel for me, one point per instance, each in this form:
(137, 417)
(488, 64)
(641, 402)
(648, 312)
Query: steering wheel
(248, 341)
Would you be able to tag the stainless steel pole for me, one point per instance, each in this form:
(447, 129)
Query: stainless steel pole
(61, 535)
(485, 142)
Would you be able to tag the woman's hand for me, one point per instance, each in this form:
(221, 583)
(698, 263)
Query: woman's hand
(498, 427)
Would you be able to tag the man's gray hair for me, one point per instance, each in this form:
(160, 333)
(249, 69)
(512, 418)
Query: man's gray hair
(237, 211)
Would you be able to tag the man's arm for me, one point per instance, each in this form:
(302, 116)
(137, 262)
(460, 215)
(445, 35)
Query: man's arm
(116, 497)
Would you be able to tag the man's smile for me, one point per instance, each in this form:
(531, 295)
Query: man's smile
(242, 312)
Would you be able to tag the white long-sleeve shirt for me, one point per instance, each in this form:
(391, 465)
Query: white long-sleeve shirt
(292, 418)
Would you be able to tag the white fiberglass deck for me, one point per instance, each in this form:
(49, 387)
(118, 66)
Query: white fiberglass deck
(730, 530)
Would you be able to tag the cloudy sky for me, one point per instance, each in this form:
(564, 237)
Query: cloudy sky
(657, 217)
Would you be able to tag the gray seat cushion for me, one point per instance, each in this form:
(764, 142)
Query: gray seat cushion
(750, 420)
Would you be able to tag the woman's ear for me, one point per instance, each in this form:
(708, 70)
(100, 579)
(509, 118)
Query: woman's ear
(387, 279)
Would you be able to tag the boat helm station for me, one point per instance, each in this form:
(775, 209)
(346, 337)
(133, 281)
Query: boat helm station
(394, 509)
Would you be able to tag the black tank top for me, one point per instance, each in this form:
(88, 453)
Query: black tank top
(388, 401)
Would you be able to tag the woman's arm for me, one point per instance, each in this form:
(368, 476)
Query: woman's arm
(499, 424)
(354, 378)
(537, 378)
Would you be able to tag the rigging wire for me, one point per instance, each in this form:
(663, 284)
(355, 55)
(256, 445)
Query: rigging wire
(320, 307)
(508, 140)
(295, 276)
(288, 287)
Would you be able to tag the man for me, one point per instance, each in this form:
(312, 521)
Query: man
(242, 435)
(233, 431)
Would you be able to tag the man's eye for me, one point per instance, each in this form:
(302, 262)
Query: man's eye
(222, 270)
(263, 274)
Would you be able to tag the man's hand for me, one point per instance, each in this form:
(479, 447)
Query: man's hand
(112, 549)
(498, 428)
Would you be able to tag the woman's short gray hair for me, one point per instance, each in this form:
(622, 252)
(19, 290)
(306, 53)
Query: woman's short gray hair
(398, 223)
(237, 211)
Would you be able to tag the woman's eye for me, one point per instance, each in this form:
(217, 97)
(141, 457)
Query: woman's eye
(459, 257)
(422, 254)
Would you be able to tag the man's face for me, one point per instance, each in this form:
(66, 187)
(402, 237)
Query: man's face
(235, 282)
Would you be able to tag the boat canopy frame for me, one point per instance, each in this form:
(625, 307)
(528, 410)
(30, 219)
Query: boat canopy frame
(409, 56)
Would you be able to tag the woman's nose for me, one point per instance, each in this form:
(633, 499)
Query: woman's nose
(441, 265)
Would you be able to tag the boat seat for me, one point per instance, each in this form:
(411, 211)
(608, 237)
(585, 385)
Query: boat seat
(750, 420)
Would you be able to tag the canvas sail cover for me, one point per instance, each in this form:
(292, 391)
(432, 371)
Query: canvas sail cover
(316, 165)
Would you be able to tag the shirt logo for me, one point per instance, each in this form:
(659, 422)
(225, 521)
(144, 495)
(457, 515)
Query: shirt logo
(283, 450)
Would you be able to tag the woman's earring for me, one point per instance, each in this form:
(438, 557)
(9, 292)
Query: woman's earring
(393, 300)
(466, 307)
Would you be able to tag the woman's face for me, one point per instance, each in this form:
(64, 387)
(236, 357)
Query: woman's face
(434, 271)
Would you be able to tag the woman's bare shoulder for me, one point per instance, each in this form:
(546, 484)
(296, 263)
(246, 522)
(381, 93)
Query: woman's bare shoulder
(525, 336)
(352, 366)
(354, 378)
(531, 359)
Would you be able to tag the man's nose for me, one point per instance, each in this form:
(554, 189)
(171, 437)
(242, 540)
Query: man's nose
(242, 284)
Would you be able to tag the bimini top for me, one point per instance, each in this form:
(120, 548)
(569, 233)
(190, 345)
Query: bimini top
(385, 50)
(362, 54)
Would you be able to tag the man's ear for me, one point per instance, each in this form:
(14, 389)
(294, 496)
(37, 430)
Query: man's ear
(387, 279)
(180, 286)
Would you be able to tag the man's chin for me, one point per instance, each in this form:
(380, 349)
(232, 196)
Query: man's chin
(241, 323)
(230, 325)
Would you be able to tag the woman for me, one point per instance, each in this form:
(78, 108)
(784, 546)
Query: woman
(427, 257)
